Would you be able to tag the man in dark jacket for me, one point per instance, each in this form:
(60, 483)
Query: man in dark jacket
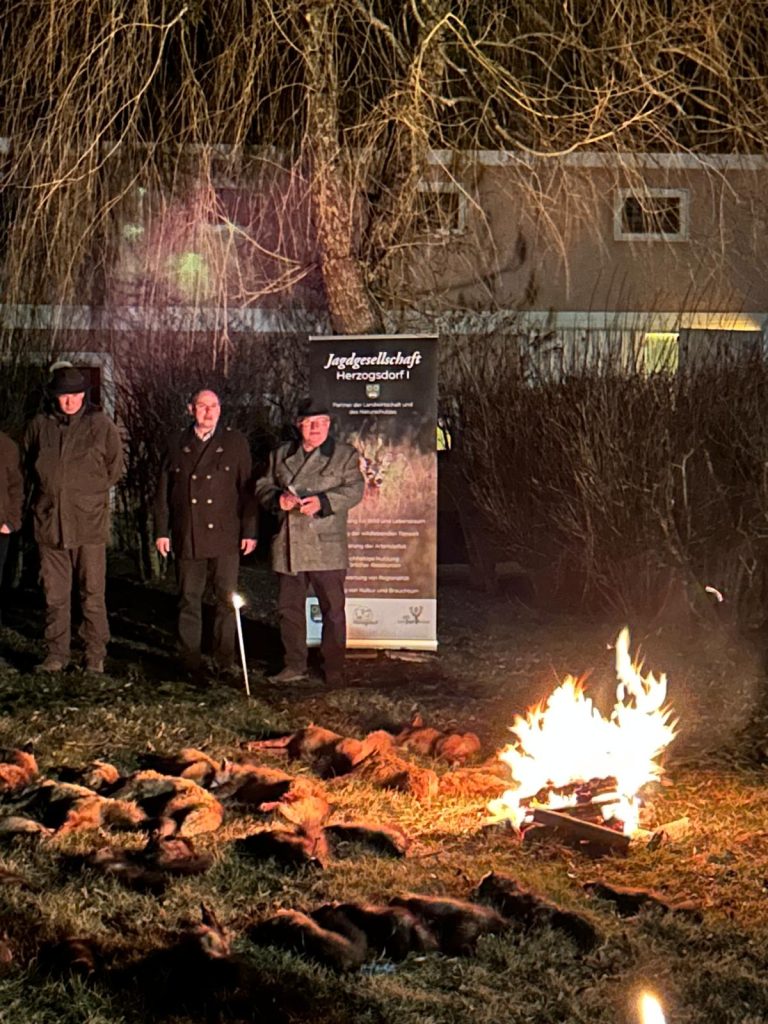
(310, 485)
(11, 499)
(203, 514)
(74, 456)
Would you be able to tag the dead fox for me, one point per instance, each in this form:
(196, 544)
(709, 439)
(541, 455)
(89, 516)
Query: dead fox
(456, 924)
(299, 933)
(191, 808)
(18, 769)
(189, 763)
(66, 807)
(390, 931)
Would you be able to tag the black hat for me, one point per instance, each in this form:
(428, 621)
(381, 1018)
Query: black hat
(311, 407)
(67, 380)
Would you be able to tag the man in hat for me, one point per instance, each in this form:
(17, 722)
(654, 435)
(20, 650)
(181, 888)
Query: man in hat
(11, 499)
(310, 485)
(204, 514)
(74, 456)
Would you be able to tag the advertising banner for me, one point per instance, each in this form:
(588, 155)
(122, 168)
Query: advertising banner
(381, 391)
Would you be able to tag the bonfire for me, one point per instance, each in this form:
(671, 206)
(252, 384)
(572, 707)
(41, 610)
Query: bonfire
(568, 756)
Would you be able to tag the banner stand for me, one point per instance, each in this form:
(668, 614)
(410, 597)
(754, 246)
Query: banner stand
(381, 391)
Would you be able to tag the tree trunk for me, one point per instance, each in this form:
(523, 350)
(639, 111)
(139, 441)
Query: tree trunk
(334, 188)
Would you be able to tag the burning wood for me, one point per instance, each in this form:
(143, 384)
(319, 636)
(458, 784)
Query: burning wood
(568, 762)
(582, 831)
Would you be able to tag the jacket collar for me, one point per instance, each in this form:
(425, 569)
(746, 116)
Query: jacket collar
(326, 449)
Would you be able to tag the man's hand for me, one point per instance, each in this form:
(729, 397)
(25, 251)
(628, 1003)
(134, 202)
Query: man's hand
(289, 501)
(310, 506)
(5, 528)
(163, 545)
(247, 546)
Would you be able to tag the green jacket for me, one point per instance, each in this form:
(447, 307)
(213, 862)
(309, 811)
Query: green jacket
(11, 484)
(332, 472)
(72, 462)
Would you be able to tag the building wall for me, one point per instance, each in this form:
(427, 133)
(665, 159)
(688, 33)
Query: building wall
(542, 237)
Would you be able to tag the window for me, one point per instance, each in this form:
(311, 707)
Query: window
(442, 208)
(659, 353)
(651, 214)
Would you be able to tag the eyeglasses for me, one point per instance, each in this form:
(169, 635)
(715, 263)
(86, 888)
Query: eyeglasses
(206, 408)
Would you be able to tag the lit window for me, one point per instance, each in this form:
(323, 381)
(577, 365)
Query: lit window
(651, 214)
(659, 353)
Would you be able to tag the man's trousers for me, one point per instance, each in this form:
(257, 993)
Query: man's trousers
(87, 564)
(193, 575)
(328, 585)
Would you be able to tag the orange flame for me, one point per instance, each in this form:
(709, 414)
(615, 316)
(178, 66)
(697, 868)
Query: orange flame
(567, 741)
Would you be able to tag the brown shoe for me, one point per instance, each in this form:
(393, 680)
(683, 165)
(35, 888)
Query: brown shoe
(94, 665)
(51, 664)
(288, 675)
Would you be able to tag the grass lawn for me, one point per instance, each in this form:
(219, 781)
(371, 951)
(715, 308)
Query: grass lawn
(495, 659)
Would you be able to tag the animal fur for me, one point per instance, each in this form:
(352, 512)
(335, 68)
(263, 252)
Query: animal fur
(188, 763)
(531, 910)
(389, 931)
(100, 776)
(457, 747)
(148, 870)
(16, 825)
(289, 849)
(469, 782)
(297, 932)
(66, 807)
(386, 771)
(250, 784)
(629, 902)
(79, 955)
(456, 924)
(454, 747)
(387, 839)
(18, 769)
(193, 809)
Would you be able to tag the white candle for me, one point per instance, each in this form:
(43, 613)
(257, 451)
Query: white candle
(237, 603)
(650, 1010)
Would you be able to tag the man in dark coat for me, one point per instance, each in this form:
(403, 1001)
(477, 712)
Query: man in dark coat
(11, 499)
(310, 484)
(74, 455)
(203, 514)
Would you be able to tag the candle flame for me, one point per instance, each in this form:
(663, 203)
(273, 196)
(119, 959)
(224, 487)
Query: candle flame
(237, 601)
(650, 1010)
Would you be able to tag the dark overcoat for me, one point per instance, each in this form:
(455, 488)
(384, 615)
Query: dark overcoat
(332, 472)
(202, 501)
(11, 483)
(72, 461)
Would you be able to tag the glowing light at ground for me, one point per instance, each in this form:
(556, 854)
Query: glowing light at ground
(650, 1010)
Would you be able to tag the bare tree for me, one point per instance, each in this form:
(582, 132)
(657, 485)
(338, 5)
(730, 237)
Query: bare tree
(332, 109)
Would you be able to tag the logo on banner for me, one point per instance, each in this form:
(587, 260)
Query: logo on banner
(372, 390)
(414, 616)
(363, 616)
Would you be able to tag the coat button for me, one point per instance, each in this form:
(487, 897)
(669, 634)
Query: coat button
(207, 476)
(210, 526)
(194, 476)
(194, 501)
(209, 501)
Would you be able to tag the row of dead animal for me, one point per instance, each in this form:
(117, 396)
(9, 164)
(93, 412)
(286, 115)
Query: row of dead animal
(184, 792)
(344, 936)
